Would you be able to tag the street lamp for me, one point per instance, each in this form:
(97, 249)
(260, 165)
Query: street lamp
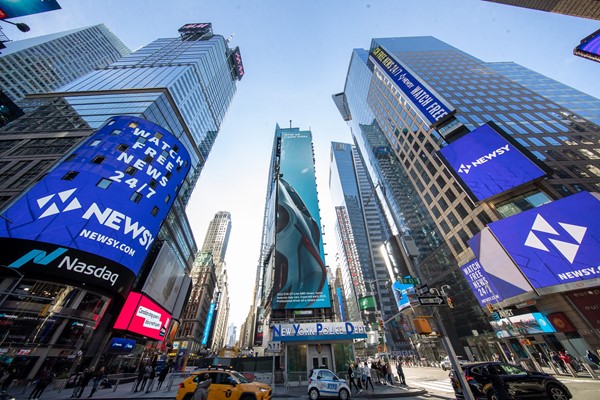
(23, 27)
(371, 283)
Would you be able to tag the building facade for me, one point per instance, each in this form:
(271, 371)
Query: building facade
(45, 63)
(184, 85)
(577, 8)
(405, 99)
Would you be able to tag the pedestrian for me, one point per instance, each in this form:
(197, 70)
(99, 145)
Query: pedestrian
(498, 384)
(513, 360)
(162, 375)
(201, 392)
(592, 357)
(8, 377)
(496, 357)
(88, 374)
(557, 361)
(44, 379)
(400, 372)
(351, 380)
(367, 375)
(97, 379)
(151, 377)
(140, 378)
(388, 373)
(565, 358)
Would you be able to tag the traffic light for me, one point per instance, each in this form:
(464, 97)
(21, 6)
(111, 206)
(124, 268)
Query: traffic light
(490, 307)
(381, 324)
(450, 302)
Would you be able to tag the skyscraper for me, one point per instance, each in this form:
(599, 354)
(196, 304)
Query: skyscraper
(45, 63)
(184, 85)
(576, 8)
(408, 98)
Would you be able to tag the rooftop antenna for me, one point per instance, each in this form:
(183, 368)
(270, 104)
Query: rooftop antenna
(290, 124)
(230, 38)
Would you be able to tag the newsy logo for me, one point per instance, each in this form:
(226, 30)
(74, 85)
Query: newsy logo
(567, 249)
(465, 168)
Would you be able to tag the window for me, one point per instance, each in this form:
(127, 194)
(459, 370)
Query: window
(98, 160)
(122, 147)
(104, 183)
(69, 176)
(130, 170)
(154, 211)
(136, 197)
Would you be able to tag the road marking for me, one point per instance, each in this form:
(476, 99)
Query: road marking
(440, 386)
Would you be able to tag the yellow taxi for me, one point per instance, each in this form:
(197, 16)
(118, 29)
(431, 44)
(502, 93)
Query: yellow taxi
(226, 385)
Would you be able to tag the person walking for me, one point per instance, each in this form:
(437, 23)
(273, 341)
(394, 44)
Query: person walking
(351, 377)
(151, 377)
(201, 392)
(368, 380)
(88, 374)
(162, 375)
(388, 373)
(400, 372)
(140, 378)
(97, 379)
(44, 379)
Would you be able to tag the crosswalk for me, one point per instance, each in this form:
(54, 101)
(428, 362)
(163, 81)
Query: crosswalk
(434, 385)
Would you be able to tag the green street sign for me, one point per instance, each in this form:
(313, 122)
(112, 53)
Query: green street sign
(414, 281)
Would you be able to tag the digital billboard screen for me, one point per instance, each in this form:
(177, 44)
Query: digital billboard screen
(554, 244)
(143, 316)
(300, 279)
(430, 105)
(589, 47)
(120, 345)
(20, 8)
(108, 198)
(488, 162)
(524, 324)
(165, 280)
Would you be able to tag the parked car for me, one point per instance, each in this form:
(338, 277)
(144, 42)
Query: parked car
(226, 384)
(519, 383)
(324, 383)
(445, 364)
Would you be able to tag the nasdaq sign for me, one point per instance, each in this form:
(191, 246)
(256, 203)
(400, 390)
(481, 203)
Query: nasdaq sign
(430, 105)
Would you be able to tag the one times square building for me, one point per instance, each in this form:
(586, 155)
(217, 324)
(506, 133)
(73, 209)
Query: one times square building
(405, 99)
(129, 141)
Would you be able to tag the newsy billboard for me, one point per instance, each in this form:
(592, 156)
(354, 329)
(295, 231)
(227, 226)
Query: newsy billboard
(554, 244)
(102, 206)
(489, 163)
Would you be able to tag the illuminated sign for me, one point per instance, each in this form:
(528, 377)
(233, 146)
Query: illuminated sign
(319, 331)
(300, 279)
(431, 106)
(238, 66)
(108, 198)
(142, 316)
(481, 283)
(589, 47)
(208, 323)
(401, 292)
(557, 243)
(525, 324)
(489, 163)
(196, 29)
(20, 8)
(121, 345)
(367, 303)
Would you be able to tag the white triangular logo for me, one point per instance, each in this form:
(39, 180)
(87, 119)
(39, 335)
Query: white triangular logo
(42, 202)
(569, 250)
(64, 196)
(577, 232)
(533, 241)
(50, 211)
(74, 205)
(540, 224)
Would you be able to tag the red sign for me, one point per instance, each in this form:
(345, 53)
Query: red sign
(588, 303)
(561, 322)
(143, 316)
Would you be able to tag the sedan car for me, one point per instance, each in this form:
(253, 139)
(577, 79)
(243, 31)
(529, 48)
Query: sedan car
(446, 364)
(484, 378)
(324, 383)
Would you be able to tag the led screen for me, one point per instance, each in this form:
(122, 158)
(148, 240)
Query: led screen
(401, 292)
(481, 283)
(524, 324)
(557, 243)
(208, 323)
(300, 279)
(430, 105)
(19, 8)
(488, 163)
(109, 197)
(121, 345)
(166, 279)
(142, 316)
(589, 47)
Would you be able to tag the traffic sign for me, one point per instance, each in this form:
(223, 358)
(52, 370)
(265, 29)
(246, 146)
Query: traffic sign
(414, 281)
(422, 290)
(273, 347)
(432, 300)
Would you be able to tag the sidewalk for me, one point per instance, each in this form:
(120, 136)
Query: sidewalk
(124, 391)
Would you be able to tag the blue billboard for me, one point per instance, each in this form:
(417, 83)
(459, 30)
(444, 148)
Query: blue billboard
(482, 283)
(107, 199)
(300, 278)
(19, 8)
(431, 106)
(524, 324)
(489, 163)
(554, 244)
(401, 292)
(208, 323)
(589, 47)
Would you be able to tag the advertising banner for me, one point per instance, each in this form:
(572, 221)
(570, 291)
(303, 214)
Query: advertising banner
(20, 8)
(300, 273)
(367, 303)
(589, 47)
(319, 331)
(493, 275)
(166, 279)
(108, 198)
(430, 105)
(142, 316)
(121, 346)
(554, 244)
(524, 324)
(401, 292)
(208, 323)
(489, 163)
(587, 302)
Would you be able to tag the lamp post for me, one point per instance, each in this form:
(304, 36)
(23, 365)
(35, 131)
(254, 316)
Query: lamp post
(377, 310)
(23, 27)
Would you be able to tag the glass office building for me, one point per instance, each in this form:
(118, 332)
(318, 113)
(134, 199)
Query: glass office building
(399, 138)
(45, 63)
(184, 84)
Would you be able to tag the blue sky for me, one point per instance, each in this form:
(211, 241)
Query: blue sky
(296, 55)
